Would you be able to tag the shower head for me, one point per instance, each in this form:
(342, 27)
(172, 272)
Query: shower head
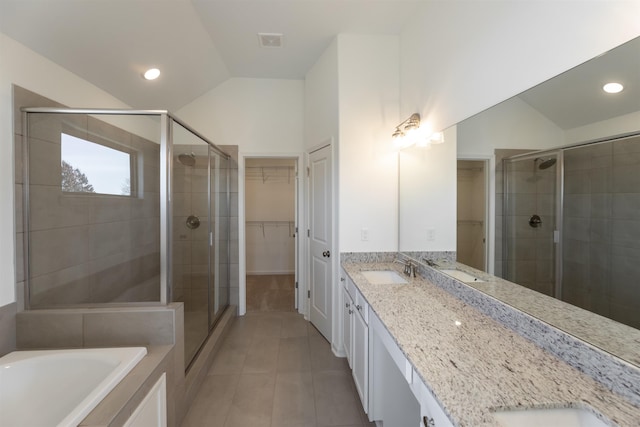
(545, 163)
(187, 159)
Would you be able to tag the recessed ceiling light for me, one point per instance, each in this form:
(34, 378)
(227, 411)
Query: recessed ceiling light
(612, 87)
(151, 74)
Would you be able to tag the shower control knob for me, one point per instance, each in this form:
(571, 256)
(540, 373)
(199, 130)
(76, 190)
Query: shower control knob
(193, 222)
(535, 221)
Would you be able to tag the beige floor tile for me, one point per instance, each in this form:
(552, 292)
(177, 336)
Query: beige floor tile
(322, 358)
(229, 360)
(294, 326)
(213, 401)
(336, 404)
(263, 376)
(293, 402)
(294, 355)
(252, 403)
(267, 325)
(262, 355)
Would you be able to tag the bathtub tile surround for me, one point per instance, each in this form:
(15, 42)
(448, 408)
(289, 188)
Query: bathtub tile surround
(96, 327)
(8, 328)
(472, 363)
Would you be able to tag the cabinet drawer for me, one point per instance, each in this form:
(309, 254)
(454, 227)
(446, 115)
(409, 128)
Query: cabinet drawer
(360, 303)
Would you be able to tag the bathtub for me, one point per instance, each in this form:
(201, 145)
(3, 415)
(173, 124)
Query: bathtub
(59, 387)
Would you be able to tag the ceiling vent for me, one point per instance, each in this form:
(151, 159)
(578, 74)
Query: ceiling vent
(270, 40)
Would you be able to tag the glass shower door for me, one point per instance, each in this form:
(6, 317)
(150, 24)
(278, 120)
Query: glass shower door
(218, 237)
(190, 249)
(530, 221)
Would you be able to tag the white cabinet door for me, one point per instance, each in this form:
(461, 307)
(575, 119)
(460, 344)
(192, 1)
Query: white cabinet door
(431, 414)
(360, 356)
(347, 314)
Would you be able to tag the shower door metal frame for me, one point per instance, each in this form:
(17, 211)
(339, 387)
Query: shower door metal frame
(559, 199)
(166, 172)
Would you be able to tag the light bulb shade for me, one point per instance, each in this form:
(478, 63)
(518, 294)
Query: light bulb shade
(437, 138)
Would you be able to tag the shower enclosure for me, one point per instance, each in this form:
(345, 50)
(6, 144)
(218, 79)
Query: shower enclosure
(124, 207)
(572, 225)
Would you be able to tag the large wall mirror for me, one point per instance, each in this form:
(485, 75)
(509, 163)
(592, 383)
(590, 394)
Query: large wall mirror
(566, 224)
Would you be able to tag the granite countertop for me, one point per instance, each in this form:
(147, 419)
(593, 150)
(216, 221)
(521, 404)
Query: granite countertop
(621, 340)
(472, 363)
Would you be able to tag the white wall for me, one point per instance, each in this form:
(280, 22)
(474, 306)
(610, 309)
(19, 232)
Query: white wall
(368, 104)
(321, 99)
(25, 68)
(616, 126)
(428, 202)
(511, 124)
(459, 58)
(259, 115)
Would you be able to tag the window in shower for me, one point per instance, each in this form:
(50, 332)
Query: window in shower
(89, 167)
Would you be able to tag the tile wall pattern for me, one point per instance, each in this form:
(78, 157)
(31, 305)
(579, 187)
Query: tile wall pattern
(602, 229)
(501, 154)
(85, 248)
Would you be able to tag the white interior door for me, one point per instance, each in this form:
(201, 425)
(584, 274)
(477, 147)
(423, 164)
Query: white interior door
(320, 240)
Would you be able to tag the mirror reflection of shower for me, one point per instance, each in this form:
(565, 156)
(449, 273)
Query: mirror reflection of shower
(544, 163)
(187, 159)
(541, 163)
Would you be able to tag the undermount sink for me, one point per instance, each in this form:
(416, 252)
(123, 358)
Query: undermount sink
(554, 417)
(461, 275)
(383, 277)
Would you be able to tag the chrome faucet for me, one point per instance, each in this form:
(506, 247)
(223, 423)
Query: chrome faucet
(410, 268)
(429, 262)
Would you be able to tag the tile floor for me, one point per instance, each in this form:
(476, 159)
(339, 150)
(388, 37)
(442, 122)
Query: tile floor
(275, 369)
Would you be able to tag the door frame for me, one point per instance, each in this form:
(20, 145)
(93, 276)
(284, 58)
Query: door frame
(300, 265)
(490, 205)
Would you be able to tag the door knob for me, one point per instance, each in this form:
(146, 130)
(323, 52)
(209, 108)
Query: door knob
(326, 254)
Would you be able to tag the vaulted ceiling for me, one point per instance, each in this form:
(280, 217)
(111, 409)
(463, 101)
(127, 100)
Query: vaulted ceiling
(197, 44)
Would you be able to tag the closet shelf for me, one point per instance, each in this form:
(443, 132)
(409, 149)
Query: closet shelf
(262, 224)
(270, 173)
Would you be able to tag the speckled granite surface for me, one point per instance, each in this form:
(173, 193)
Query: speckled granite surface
(497, 298)
(479, 365)
(621, 340)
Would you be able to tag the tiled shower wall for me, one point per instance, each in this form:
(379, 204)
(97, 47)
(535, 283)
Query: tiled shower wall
(601, 233)
(232, 256)
(85, 248)
(501, 154)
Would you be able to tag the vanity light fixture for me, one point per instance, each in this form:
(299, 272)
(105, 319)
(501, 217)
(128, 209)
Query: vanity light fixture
(151, 74)
(411, 132)
(612, 87)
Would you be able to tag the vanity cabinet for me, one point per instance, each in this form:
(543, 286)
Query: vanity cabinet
(355, 336)
(398, 394)
(347, 311)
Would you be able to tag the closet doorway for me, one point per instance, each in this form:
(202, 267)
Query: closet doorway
(270, 215)
(472, 230)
